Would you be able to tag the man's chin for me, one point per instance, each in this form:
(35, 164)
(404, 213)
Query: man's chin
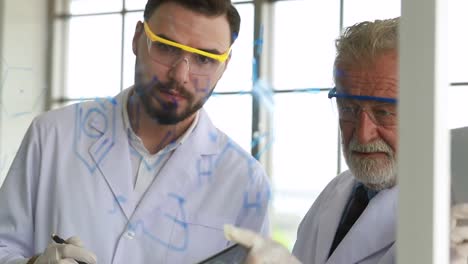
(167, 118)
(375, 179)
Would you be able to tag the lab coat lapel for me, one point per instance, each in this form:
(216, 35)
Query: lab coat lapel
(330, 216)
(111, 154)
(373, 231)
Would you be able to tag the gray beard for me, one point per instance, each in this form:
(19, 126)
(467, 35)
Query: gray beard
(376, 174)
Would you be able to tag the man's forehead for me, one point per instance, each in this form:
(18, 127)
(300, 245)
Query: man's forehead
(367, 83)
(178, 24)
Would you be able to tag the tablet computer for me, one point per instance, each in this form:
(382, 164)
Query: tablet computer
(234, 254)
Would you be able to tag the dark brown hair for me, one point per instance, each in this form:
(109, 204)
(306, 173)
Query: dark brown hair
(205, 7)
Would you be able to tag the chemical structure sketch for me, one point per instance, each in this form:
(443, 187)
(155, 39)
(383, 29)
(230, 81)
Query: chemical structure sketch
(180, 222)
(18, 83)
(92, 122)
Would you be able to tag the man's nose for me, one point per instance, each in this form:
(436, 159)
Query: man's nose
(180, 70)
(366, 129)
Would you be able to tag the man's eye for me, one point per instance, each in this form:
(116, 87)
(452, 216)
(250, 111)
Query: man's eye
(383, 112)
(347, 109)
(165, 48)
(200, 59)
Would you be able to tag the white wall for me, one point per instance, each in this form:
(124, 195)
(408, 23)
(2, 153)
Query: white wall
(23, 46)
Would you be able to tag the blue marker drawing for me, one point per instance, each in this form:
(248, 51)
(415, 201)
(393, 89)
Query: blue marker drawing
(205, 169)
(261, 89)
(15, 80)
(258, 44)
(151, 91)
(235, 35)
(263, 92)
(339, 73)
(181, 223)
(134, 108)
(257, 204)
(257, 200)
(205, 89)
(94, 124)
(213, 135)
(120, 199)
(230, 145)
(261, 198)
(90, 131)
(256, 140)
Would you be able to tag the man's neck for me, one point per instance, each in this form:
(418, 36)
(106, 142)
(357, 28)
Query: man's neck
(155, 136)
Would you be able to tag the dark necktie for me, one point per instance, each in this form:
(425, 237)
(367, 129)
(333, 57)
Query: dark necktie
(357, 205)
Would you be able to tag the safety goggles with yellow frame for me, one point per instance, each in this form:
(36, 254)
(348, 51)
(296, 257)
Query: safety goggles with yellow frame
(155, 38)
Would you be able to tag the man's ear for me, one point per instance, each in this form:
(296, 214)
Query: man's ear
(138, 31)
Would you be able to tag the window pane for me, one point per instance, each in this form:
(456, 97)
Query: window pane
(94, 6)
(135, 4)
(458, 41)
(131, 20)
(93, 67)
(457, 117)
(238, 75)
(356, 11)
(233, 115)
(304, 155)
(303, 57)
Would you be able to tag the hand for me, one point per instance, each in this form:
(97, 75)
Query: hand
(459, 234)
(261, 250)
(66, 253)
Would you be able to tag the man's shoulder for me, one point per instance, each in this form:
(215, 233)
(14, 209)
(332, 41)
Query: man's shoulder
(227, 146)
(233, 158)
(345, 177)
(68, 115)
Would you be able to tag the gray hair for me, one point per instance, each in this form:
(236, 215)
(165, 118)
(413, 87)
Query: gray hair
(361, 43)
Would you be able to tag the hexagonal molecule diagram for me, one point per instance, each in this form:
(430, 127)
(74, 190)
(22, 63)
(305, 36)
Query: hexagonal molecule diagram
(19, 95)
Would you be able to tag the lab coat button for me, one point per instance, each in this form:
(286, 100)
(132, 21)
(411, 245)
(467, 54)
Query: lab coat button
(130, 234)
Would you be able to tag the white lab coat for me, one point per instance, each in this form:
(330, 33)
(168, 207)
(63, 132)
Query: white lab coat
(72, 176)
(370, 240)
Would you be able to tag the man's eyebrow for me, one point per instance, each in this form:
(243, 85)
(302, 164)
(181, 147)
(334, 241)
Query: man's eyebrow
(213, 51)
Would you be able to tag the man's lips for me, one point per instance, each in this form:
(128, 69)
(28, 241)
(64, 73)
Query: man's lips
(370, 154)
(172, 95)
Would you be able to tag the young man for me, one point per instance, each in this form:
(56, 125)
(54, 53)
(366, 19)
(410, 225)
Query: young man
(354, 218)
(144, 177)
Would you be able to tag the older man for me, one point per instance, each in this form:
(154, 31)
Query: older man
(354, 218)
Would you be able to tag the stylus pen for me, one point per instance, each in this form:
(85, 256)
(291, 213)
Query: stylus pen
(59, 240)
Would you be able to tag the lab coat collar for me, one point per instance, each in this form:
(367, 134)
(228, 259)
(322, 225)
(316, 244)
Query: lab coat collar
(330, 216)
(111, 153)
(373, 231)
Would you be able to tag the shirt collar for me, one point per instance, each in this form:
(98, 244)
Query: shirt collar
(370, 193)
